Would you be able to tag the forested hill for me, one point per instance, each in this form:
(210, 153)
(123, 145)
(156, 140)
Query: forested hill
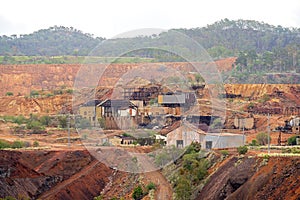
(229, 37)
(221, 39)
(57, 40)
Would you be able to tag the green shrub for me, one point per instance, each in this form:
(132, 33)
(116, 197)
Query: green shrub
(49, 95)
(292, 140)
(34, 93)
(70, 91)
(62, 121)
(250, 105)
(190, 161)
(295, 151)
(266, 157)
(45, 120)
(138, 193)
(288, 150)
(35, 126)
(15, 119)
(151, 186)
(242, 149)
(254, 143)
(183, 188)
(20, 119)
(36, 144)
(4, 144)
(194, 147)
(224, 152)
(17, 144)
(9, 94)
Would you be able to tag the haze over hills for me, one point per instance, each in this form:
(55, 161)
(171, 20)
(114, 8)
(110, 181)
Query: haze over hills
(221, 39)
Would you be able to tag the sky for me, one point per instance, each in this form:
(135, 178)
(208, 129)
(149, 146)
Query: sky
(108, 18)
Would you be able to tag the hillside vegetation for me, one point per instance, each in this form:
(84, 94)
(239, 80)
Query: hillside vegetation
(221, 39)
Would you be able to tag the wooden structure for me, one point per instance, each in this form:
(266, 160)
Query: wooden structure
(118, 114)
(117, 107)
(142, 93)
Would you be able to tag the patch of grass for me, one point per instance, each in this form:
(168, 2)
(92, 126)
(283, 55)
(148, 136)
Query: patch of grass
(224, 152)
(242, 150)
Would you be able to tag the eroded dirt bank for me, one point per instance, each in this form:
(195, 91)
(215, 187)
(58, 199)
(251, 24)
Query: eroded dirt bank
(51, 174)
(254, 178)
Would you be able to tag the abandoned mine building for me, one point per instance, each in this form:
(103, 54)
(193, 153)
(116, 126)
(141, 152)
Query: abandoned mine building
(185, 135)
(90, 111)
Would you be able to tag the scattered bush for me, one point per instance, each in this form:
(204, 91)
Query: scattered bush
(57, 92)
(26, 144)
(295, 150)
(9, 94)
(19, 129)
(15, 119)
(62, 121)
(20, 119)
(35, 126)
(17, 144)
(291, 150)
(242, 149)
(45, 120)
(262, 138)
(36, 144)
(49, 95)
(34, 93)
(70, 91)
